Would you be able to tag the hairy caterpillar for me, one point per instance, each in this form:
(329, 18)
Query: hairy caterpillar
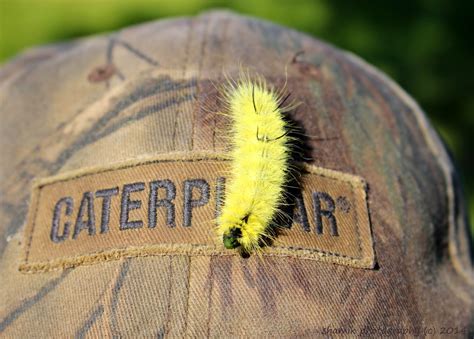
(260, 163)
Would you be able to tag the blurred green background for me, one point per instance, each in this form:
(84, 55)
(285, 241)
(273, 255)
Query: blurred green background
(426, 46)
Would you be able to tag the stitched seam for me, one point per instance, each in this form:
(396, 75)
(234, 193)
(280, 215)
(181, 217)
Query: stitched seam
(209, 300)
(42, 268)
(186, 60)
(188, 285)
(28, 247)
(354, 180)
(439, 152)
(359, 238)
(170, 286)
(225, 23)
(105, 170)
(154, 250)
(197, 107)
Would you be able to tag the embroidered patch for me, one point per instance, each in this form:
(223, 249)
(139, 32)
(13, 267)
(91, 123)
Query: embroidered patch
(168, 205)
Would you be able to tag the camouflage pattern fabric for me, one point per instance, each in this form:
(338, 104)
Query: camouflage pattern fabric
(150, 90)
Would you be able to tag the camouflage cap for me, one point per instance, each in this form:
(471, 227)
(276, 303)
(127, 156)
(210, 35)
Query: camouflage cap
(111, 152)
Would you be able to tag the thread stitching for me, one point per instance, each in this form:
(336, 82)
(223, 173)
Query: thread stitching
(165, 250)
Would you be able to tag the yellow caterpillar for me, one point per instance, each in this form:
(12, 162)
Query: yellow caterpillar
(259, 169)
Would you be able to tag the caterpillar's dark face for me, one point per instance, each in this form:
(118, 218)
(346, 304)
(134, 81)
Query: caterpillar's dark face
(232, 238)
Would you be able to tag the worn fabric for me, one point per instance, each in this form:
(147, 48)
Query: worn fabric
(152, 90)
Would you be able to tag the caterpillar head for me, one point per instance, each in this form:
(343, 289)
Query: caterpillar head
(236, 236)
(232, 238)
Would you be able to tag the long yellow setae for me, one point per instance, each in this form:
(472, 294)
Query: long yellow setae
(259, 169)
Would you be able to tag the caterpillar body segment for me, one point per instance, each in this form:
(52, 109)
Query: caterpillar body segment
(260, 161)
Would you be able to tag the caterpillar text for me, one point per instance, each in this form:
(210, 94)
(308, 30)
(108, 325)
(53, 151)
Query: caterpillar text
(260, 162)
